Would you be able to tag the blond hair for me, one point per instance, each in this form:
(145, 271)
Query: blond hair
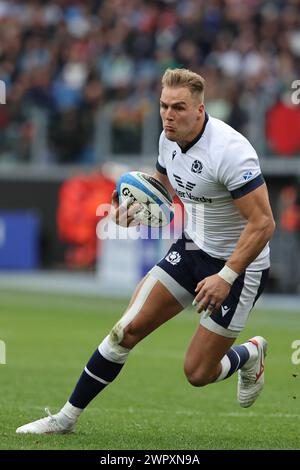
(175, 78)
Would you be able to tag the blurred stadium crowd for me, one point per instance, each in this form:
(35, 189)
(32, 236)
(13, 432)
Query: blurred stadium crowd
(66, 60)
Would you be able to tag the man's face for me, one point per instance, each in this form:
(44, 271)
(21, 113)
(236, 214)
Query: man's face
(181, 114)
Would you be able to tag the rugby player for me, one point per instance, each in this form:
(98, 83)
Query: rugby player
(220, 264)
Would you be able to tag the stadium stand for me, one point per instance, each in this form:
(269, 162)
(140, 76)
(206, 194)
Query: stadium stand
(64, 61)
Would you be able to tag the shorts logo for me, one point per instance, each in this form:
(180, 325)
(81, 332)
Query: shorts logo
(197, 167)
(225, 310)
(174, 257)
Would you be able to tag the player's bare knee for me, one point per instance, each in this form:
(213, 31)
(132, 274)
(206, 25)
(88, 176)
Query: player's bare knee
(129, 339)
(198, 380)
(198, 377)
(126, 332)
(131, 336)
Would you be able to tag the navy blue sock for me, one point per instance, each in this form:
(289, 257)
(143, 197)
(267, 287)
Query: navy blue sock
(98, 373)
(238, 356)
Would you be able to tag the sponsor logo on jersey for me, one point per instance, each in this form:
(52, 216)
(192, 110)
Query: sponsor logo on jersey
(173, 257)
(197, 167)
(247, 175)
(187, 194)
(174, 154)
(184, 183)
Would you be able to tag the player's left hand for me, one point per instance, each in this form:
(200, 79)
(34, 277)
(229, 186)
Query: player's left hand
(211, 292)
(126, 214)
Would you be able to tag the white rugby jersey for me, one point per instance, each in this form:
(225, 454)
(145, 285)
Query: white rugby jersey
(218, 166)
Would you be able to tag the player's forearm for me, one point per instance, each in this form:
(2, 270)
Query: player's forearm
(163, 179)
(251, 242)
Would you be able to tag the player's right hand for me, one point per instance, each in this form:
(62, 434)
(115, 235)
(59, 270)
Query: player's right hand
(210, 293)
(126, 213)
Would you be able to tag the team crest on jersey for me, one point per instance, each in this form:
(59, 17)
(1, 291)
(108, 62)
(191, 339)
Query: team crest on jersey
(197, 167)
(173, 257)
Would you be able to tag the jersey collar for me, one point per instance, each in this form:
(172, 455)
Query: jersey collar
(198, 137)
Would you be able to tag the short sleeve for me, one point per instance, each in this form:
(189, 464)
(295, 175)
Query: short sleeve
(160, 164)
(239, 169)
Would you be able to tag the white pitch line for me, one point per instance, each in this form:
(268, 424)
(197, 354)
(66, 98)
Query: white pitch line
(232, 414)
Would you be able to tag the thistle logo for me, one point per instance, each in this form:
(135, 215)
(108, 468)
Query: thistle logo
(2, 92)
(197, 167)
(174, 257)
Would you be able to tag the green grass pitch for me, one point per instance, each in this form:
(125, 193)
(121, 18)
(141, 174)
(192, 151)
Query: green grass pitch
(49, 339)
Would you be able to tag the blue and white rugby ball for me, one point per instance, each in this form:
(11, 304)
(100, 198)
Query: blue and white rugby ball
(155, 200)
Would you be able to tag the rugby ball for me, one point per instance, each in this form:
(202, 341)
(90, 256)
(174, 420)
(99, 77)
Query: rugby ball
(154, 199)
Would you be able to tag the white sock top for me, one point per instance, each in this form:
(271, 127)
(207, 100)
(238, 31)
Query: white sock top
(70, 411)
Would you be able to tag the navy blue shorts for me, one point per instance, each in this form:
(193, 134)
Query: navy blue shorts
(185, 265)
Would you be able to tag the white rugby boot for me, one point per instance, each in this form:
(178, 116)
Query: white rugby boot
(251, 376)
(52, 424)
